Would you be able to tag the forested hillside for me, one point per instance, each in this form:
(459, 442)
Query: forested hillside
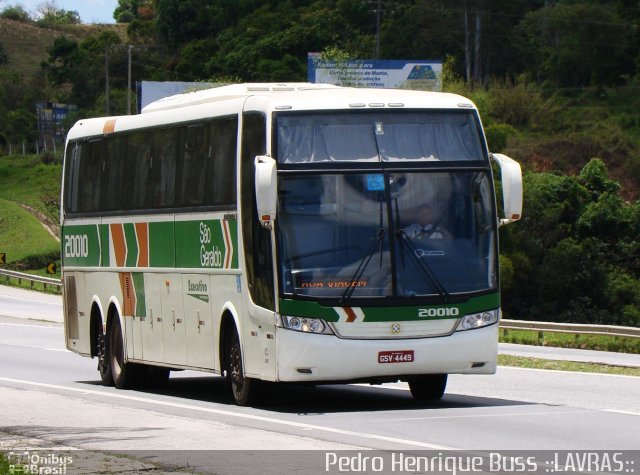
(557, 83)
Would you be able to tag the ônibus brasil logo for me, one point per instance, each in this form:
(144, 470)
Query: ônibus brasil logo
(438, 312)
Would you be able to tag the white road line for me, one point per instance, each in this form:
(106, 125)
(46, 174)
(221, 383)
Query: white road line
(625, 413)
(62, 350)
(57, 327)
(30, 300)
(271, 420)
(473, 416)
(583, 373)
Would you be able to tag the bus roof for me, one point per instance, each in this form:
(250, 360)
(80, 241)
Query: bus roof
(313, 96)
(228, 100)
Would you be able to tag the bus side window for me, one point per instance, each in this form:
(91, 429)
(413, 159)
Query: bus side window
(220, 187)
(71, 165)
(90, 175)
(195, 155)
(162, 169)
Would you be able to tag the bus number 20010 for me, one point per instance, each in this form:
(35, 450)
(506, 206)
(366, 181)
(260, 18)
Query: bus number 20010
(76, 245)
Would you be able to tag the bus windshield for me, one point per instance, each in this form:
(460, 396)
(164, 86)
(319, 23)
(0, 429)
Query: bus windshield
(379, 137)
(365, 235)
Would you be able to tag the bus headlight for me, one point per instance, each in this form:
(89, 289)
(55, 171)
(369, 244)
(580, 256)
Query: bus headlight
(306, 325)
(478, 320)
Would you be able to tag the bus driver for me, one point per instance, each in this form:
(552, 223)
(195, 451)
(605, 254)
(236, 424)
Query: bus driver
(426, 226)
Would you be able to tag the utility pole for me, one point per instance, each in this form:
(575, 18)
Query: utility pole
(106, 82)
(378, 15)
(130, 47)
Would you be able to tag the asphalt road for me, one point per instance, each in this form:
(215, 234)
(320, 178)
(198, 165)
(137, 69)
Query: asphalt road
(53, 395)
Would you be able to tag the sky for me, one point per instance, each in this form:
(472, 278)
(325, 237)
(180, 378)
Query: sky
(91, 11)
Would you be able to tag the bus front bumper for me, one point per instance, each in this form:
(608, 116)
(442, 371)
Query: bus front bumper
(317, 358)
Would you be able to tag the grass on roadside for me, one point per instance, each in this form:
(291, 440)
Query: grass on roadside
(5, 465)
(537, 363)
(22, 234)
(565, 340)
(26, 180)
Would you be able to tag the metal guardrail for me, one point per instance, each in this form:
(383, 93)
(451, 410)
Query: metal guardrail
(540, 327)
(20, 276)
(571, 328)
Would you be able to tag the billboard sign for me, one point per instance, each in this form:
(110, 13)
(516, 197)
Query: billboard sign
(387, 74)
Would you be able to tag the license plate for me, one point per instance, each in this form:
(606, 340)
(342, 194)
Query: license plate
(403, 356)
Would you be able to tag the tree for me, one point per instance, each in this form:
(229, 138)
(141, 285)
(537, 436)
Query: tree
(81, 66)
(64, 57)
(50, 14)
(577, 43)
(21, 126)
(575, 255)
(180, 21)
(595, 178)
(16, 13)
(4, 58)
(473, 62)
(126, 11)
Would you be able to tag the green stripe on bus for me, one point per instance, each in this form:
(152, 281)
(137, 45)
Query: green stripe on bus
(138, 284)
(233, 230)
(132, 245)
(303, 308)
(104, 237)
(161, 244)
(199, 244)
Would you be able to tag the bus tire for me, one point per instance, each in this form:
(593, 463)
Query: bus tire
(123, 373)
(428, 387)
(245, 391)
(104, 361)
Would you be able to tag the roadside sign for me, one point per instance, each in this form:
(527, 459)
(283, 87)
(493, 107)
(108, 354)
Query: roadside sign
(51, 268)
(3, 258)
(373, 73)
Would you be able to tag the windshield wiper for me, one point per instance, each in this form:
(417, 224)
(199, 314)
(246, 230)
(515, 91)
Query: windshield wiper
(364, 262)
(422, 265)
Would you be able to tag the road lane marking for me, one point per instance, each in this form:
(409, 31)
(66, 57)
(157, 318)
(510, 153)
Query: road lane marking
(624, 413)
(587, 373)
(472, 416)
(8, 345)
(613, 411)
(57, 327)
(33, 301)
(271, 420)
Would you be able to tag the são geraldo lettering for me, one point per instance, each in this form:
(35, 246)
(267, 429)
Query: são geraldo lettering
(213, 256)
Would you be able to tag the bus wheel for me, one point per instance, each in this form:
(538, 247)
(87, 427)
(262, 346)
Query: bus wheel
(120, 370)
(246, 391)
(428, 387)
(104, 363)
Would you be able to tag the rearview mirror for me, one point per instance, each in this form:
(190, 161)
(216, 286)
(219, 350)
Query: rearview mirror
(266, 190)
(511, 187)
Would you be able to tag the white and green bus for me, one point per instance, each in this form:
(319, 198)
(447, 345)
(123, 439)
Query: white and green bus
(286, 233)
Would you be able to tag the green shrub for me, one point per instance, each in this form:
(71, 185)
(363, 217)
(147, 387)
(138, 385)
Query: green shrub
(498, 136)
(517, 104)
(16, 13)
(4, 59)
